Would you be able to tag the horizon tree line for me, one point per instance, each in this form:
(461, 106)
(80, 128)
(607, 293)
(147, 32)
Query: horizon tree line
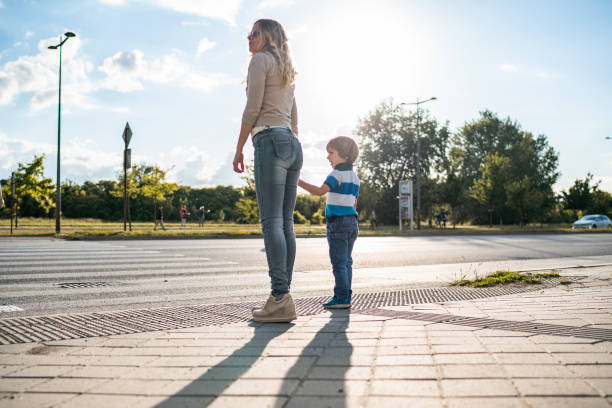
(489, 171)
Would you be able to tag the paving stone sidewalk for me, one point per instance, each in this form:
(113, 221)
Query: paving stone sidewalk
(396, 357)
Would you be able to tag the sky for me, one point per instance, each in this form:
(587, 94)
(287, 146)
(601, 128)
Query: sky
(175, 70)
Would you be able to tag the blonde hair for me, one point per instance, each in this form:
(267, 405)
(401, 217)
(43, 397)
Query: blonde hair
(346, 147)
(277, 45)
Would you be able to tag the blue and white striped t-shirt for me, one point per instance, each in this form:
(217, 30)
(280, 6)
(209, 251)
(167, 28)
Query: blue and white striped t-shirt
(344, 189)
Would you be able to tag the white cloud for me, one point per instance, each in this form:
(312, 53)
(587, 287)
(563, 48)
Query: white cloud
(15, 150)
(26, 74)
(225, 10)
(508, 68)
(85, 159)
(38, 75)
(1, 5)
(275, 3)
(28, 34)
(190, 165)
(127, 70)
(82, 159)
(204, 45)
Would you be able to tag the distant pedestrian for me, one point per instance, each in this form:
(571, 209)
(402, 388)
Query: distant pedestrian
(201, 215)
(342, 189)
(184, 213)
(159, 218)
(373, 222)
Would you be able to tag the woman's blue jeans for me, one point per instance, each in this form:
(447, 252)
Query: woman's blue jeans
(278, 160)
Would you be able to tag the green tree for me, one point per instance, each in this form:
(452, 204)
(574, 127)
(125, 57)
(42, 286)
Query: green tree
(602, 203)
(216, 199)
(248, 210)
(529, 156)
(585, 196)
(308, 205)
(388, 154)
(146, 187)
(522, 195)
(488, 189)
(579, 196)
(33, 191)
(452, 188)
(247, 206)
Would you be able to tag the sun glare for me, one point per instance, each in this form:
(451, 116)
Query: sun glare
(355, 58)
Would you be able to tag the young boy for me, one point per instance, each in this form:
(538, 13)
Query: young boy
(342, 189)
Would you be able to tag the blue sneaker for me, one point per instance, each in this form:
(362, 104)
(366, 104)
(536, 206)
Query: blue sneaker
(335, 304)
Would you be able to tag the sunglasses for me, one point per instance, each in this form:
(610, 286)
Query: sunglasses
(253, 34)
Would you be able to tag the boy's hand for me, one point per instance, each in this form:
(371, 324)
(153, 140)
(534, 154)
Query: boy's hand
(312, 189)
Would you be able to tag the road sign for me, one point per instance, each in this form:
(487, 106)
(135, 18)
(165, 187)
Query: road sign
(406, 207)
(405, 187)
(127, 134)
(405, 202)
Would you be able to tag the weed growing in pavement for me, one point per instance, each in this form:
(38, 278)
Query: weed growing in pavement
(464, 274)
(504, 278)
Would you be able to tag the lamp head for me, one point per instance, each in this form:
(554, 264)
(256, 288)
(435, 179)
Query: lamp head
(433, 98)
(70, 34)
(52, 47)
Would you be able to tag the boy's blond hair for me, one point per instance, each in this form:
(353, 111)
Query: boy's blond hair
(346, 147)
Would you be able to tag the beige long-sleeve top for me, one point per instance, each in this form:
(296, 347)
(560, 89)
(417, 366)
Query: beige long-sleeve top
(268, 101)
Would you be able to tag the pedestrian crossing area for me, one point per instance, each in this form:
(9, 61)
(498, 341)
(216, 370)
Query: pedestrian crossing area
(47, 276)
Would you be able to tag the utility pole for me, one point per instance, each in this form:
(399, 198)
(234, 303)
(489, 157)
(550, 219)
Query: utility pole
(418, 155)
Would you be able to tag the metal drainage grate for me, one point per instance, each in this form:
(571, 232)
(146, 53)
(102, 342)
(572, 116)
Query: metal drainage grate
(71, 285)
(63, 327)
(485, 323)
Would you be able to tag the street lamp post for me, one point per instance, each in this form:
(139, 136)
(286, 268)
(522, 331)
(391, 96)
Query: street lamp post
(58, 192)
(418, 156)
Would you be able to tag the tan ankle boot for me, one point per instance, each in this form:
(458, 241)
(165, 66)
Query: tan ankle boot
(282, 310)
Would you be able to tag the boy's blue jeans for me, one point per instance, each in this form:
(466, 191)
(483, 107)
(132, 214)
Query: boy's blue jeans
(278, 160)
(341, 235)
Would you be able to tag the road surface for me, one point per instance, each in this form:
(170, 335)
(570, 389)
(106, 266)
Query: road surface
(43, 276)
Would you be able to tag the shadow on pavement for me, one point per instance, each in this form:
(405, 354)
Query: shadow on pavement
(204, 390)
(322, 377)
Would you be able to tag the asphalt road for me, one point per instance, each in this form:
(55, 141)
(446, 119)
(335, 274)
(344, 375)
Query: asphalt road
(44, 276)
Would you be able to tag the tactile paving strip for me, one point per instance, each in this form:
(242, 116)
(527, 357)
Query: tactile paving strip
(485, 323)
(63, 327)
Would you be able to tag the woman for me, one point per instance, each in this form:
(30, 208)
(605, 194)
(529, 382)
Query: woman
(270, 116)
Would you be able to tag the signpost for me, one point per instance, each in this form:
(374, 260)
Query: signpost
(405, 203)
(127, 162)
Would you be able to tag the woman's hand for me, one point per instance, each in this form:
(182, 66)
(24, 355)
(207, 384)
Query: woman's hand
(239, 162)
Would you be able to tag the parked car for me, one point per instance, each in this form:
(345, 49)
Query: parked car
(593, 221)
